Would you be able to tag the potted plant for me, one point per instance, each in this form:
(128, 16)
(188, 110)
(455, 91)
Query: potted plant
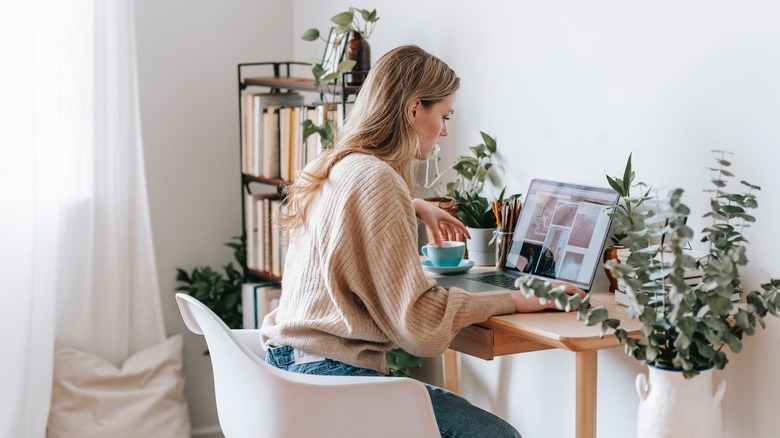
(626, 215)
(474, 209)
(219, 292)
(686, 329)
(359, 25)
(463, 197)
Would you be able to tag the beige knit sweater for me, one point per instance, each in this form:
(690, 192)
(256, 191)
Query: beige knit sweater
(353, 286)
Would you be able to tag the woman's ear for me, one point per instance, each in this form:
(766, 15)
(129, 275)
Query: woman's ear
(413, 109)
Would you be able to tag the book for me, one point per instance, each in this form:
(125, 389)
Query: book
(313, 144)
(255, 228)
(257, 301)
(296, 141)
(250, 224)
(624, 253)
(277, 242)
(267, 235)
(692, 276)
(270, 163)
(245, 128)
(622, 298)
(285, 118)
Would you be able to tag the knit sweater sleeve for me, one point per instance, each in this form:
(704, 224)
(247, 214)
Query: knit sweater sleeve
(379, 262)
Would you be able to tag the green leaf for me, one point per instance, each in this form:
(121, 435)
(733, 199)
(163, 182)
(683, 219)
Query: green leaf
(342, 29)
(330, 77)
(317, 71)
(311, 34)
(479, 150)
(628, 175)
(616, 186)
(343, 19)
(346, 65)
(490, 142)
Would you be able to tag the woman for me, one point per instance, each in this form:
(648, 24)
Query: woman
(353, 285)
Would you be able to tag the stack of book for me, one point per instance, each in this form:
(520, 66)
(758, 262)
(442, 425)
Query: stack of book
(692, 277)
(272, 143)
(258, 300)
(266, 243)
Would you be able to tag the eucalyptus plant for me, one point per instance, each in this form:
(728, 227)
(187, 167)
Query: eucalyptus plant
(683, 327)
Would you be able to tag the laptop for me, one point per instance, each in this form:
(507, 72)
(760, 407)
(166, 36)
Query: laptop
(559, 236)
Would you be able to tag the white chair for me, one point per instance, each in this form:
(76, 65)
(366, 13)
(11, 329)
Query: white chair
(255, 399)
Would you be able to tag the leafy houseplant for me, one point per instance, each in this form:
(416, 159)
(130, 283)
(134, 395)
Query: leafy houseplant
(473, 209)
(683, 327)
(349, 21)
(219, 292)
(626, 214)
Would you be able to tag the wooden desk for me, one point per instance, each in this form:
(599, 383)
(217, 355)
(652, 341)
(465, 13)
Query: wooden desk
(526, 332)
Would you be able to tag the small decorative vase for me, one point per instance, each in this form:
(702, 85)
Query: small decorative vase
(611, 253)
(673, 406)
(359, 51)
(479, 247)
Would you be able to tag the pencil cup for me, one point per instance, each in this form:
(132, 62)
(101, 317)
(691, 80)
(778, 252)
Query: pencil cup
(503, 239)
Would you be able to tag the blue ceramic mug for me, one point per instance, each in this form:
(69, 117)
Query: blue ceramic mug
(449, 254)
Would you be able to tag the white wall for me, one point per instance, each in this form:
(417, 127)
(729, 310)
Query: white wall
(187, 57)
(569, 88)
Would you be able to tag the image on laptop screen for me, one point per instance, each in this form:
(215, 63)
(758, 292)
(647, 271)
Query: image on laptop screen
(561, 231)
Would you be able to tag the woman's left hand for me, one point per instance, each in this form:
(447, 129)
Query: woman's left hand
(443, 226)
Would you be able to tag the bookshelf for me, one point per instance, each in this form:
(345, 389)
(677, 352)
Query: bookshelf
(273, 87)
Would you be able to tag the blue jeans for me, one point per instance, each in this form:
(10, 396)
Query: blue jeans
(456, 417)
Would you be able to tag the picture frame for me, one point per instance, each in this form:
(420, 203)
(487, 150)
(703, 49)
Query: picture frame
(334, 51)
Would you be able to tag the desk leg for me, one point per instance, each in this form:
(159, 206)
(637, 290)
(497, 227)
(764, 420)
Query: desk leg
(587, 373)
(451, 370)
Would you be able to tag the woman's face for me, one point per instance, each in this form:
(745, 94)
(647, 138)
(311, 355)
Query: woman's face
(431, 123)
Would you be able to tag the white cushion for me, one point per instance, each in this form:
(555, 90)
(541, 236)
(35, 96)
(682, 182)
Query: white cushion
(143, 398)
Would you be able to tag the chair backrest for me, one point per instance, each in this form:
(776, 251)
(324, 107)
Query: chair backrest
(255, 399)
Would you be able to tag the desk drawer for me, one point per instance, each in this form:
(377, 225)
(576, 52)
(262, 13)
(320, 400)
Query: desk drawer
(486, 343)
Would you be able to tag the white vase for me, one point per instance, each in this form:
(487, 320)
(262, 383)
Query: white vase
(480, 250)
(672, 406)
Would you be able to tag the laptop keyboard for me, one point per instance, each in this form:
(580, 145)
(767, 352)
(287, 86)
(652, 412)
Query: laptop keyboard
(497, 279)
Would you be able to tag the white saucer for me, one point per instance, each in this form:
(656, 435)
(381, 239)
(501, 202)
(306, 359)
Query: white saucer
(464, 266)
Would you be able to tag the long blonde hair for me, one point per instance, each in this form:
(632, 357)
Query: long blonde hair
(379, 123)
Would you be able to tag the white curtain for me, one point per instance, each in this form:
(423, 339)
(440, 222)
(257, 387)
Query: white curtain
(76, 254)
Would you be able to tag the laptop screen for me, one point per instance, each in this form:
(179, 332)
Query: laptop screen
(561, 231)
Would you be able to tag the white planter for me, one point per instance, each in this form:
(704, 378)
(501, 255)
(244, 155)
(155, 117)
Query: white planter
(480, 251)
(673, 406)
